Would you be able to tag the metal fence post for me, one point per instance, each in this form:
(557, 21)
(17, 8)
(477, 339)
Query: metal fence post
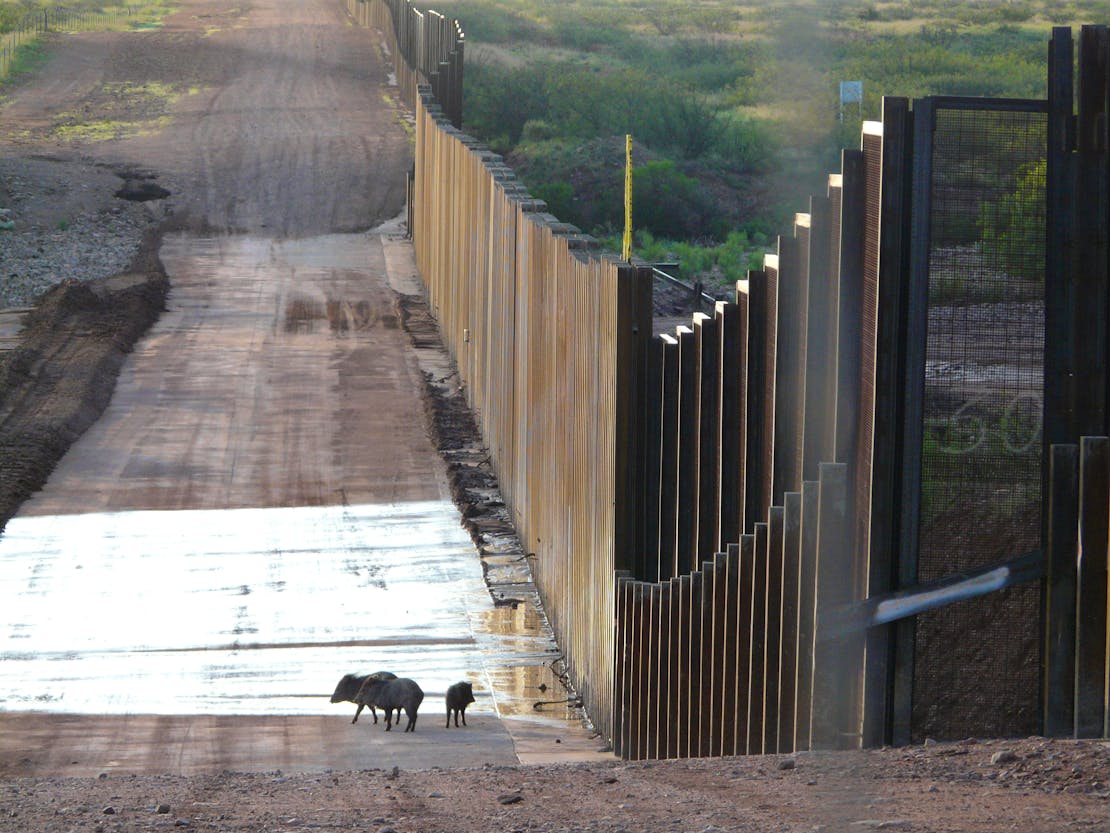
(1091, 591)
(706, 336)
(1088, 336)
(717, 715)
(622, 658)
(820, 359)
(788, 379)
(686, 533)
(695, 649)
(680, 660)
(668, 458)
(788, 662)
(888, 181)
(759, 410)
(656, 715)
(773, 630)
(745, 630)
(632, 339)
(1060, 579)
(731, 427)
(838, 661)
(758, 676)
(807, 605)
(650, 476)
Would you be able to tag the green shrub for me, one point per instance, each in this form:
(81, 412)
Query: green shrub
(716, 265)
(585, 35)
(667, 202)
(573, 101)
(708, 65)
(29, 58)
(1013, 227)
(680, 78)
(10, 15)
(1015, 12)
(484, 22)
(745, 144)
(538, 130)
(559, 197)
(499, 100)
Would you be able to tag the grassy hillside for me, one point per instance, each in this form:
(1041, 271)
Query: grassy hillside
(733, 106)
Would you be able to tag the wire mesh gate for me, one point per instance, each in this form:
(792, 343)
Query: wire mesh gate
(975, 400)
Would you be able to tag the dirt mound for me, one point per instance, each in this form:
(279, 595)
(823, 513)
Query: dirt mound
(59, 379)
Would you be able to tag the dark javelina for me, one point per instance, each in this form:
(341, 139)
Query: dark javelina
(348, 688)
(459, 696)
(392, 694)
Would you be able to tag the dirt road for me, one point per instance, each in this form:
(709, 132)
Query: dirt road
(269, 117)
(260, 508)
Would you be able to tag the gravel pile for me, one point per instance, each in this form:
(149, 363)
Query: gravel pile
(57, 222)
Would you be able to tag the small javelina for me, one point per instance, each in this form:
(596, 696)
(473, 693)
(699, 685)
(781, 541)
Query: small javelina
(392, 694)
(348, 688)
(459, 696)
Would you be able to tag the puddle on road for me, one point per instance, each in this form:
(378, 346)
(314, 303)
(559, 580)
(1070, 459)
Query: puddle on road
(528, 673)
(241, 611)
(256, 611)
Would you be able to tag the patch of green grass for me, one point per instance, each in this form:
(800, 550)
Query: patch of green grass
(108, 129)
(21, 22)
(146, 106)
(719, 265)
(29, 58)
(395, 105)
(148, 92)
(100, 16)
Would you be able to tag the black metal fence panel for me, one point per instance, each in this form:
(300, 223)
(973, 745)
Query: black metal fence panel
(979, 259)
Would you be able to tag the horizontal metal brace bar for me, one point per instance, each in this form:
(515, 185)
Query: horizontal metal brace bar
(901, 604)
(705, 295)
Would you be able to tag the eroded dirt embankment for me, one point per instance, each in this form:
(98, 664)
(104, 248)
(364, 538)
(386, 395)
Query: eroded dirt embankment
(58, 381)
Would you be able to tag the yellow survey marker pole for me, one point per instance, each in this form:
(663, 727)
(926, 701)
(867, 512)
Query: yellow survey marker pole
(626, 251)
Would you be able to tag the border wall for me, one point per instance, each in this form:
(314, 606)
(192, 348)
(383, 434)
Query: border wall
(548, 335)
(726, 522)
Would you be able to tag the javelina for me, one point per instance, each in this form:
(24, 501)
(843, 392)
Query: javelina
(459, 696)
(392, 694)
(348, 687)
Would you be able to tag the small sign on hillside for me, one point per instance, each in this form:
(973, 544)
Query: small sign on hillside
(851, 92)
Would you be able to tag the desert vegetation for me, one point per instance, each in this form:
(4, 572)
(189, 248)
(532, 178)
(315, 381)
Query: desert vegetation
(22, 24)
(14, 13)
(733, 106)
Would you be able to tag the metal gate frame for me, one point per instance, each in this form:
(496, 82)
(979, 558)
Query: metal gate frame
(925, 112)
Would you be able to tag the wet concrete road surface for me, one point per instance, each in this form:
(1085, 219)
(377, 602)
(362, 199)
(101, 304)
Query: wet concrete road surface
(260, 511)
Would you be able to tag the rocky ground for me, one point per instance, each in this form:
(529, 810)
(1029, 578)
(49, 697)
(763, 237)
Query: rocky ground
(66, 221)
(1033, 785)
